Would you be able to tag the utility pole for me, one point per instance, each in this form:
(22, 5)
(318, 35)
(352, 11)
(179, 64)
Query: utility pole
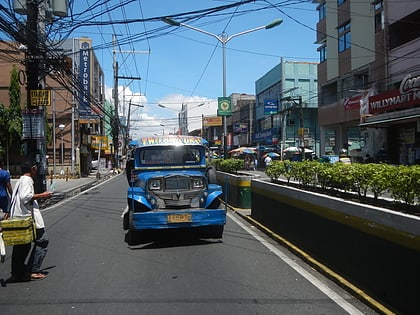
(34, 56)
(34, 116)
(116, 119)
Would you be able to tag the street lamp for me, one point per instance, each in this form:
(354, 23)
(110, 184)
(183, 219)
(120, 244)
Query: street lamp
(182, 116)
(61, 127)
(223, 39)
(163, 130)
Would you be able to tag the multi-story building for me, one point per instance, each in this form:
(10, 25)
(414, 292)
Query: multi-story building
(286, 106)
(76, 108)
(240, 123)
(369, 78)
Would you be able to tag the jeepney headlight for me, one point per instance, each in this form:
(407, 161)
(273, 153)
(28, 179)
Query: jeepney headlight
(155, 184)
(197, 182)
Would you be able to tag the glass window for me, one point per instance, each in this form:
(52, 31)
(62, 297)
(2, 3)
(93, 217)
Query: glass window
(340, 2)
(379, 16)
(322, 11)
(323, 54)
(344, 37)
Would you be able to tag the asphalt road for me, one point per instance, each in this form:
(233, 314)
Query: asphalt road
(92, 270)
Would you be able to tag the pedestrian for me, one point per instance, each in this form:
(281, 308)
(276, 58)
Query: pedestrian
(268, 160)
(26, 204)
(5, 190)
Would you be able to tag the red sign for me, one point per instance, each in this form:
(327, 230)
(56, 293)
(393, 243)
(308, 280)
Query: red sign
(352, 103)
(408, 95)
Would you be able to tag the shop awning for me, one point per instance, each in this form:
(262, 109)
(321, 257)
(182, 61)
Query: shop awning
(389, 120)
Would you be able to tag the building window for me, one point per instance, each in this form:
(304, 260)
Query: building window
(344, 37)
(322, 11)
(379, 16)
(323, 54)
(340, 2)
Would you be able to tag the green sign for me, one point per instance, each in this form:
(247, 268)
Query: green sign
(224, 106)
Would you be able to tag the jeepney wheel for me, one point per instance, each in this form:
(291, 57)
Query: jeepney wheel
(132, 238)
(126, 221)
(215, 204)
(217, 231)
(211, 175)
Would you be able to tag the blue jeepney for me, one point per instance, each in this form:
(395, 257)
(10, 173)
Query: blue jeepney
(171, 186)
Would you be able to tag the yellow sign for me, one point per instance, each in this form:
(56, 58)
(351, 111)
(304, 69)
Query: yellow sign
(100, 142)
(40, 97)
(212, 121)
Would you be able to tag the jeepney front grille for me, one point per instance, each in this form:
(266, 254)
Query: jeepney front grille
(178, 193)
(177, 183)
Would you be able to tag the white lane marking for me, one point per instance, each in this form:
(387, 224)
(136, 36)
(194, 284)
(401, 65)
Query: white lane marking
(316, 282)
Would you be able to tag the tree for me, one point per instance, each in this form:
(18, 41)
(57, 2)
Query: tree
(11, 118)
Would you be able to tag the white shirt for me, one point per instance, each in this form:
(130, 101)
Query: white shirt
(23, 203)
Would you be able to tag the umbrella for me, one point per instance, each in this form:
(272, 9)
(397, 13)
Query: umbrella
(292, 149)
(297, 150)
(271, 154)
(248, 150)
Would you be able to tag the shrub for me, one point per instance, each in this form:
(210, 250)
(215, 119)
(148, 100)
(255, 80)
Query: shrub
(229, 165)
(402, 182)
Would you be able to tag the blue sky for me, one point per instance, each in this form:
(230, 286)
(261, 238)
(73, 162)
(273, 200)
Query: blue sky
(185, 66)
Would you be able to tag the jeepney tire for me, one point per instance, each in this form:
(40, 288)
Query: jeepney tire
(132, 237)
(217, 231)
(211, 175)
(215, 204)
(126, 221)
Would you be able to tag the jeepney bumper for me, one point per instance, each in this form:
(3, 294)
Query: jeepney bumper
(177, 219)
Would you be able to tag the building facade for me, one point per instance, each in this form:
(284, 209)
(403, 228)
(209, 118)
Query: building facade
(75, 112)
(369, 79)
(286, 106)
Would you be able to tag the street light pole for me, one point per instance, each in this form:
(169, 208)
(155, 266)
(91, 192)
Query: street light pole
(223, 39)
(61, 127)
(182, 116)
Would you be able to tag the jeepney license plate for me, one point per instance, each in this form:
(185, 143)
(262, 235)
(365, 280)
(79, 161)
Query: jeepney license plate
(179, 218)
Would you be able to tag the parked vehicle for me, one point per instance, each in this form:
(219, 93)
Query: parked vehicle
(170, 187)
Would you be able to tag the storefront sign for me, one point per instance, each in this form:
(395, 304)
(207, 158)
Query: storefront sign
(240, 127)
(271, 107)
(406, 96)
(224, 106)
(84, 80)
(212, 121)
(352, 102)
(40, 97)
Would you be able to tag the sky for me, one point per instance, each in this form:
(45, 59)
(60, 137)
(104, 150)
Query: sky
(179, 65)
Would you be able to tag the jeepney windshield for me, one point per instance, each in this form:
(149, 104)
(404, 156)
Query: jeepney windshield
(170, 155)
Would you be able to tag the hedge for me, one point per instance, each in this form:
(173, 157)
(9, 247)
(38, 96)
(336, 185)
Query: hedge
(400, 182)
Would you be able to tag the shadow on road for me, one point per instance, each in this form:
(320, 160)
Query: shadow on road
(169, 238)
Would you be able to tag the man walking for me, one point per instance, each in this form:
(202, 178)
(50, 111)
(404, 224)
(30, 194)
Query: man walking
(25, 203)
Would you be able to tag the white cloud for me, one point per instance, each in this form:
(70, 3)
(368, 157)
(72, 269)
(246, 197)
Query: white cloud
(154, 119)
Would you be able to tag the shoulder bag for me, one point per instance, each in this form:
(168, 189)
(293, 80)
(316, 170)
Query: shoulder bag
(18, 230)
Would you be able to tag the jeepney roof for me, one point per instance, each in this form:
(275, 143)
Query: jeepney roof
(170, 140)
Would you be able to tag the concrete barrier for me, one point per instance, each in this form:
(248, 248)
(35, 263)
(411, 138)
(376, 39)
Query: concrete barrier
(236, 187)
(378, 250)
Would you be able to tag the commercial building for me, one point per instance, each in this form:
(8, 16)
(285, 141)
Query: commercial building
(369, 78)
(75, 110)
(286, 106)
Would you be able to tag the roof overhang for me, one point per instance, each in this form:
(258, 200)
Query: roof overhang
(377, 123)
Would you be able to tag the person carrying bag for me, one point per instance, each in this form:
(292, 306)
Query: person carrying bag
(25, 206)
